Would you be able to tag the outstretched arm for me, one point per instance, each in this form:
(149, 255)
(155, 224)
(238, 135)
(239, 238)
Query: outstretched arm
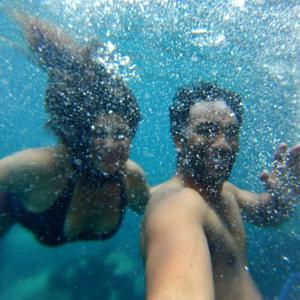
(177, 258)
(282, 188)
(19, 174)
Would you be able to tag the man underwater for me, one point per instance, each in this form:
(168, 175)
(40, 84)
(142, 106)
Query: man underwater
(193, 237)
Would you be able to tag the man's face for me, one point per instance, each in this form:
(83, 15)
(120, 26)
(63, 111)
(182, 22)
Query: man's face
(211, 141)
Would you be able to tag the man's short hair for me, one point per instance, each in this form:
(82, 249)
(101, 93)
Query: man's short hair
(189, 95)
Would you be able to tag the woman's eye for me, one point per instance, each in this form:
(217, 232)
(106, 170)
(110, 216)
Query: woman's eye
(121, 134)
(115, 134)
(101, 134)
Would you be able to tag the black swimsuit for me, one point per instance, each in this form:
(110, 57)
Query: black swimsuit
(48, 226)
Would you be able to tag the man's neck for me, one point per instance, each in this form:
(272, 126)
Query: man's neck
(209, 190)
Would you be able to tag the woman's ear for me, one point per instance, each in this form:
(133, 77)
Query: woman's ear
(178, 141)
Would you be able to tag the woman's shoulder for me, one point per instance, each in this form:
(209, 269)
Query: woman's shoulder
(30, 158)
(134, 174)
(30, 162)
(133, 169)
(137, 188)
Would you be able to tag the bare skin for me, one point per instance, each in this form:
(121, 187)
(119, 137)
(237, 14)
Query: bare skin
(37, 177)
(94, 117)
(193, 238)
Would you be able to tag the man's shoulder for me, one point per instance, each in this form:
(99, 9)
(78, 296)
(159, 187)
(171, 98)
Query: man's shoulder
(229, 188)
(172, 207)
(167, 187)
(172, 196)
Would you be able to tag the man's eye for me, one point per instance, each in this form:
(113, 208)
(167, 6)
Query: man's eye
(121, 137)
(207, 131)
(231, 132)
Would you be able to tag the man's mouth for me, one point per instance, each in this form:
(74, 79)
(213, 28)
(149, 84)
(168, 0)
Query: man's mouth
(107, 157)
(220, 161)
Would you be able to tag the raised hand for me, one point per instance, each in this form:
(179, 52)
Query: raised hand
(285, 175)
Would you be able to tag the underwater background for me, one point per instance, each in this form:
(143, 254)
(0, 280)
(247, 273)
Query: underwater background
(249, 46)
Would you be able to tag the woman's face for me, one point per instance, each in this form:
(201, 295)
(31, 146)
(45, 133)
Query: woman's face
(110, 143)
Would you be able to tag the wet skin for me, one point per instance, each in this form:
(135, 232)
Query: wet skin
(38, 176)
(212, 141)
(193, 236)
(213, 132)
(110, 143)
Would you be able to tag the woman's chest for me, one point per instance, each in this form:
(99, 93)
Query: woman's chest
(80, 208)
(94, 211)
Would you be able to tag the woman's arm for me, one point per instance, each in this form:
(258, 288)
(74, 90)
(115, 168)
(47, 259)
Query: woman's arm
(6, 183)
(137, 188)
(6, 220)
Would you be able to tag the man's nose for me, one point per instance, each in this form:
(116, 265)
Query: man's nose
(109, 142)
(221, 142)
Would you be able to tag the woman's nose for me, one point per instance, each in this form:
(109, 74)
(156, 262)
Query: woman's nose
(109, 142)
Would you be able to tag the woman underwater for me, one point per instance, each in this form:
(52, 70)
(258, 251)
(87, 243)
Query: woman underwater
(79, 189)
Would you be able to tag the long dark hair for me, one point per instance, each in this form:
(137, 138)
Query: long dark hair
(79, 88)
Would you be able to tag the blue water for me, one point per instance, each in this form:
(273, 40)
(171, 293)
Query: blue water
(251, 47)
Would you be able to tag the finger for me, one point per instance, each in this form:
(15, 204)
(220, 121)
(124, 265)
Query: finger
(267, 180)
(264, 176)
(293, 155)
(294, 151)
(281, 150)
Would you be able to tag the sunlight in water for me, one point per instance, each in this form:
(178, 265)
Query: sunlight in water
(248, 46)
(252, 36)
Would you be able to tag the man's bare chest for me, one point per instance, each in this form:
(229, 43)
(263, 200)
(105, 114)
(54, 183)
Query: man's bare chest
(225, 235)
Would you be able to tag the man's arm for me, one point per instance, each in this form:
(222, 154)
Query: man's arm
(282, 185)
(258, 209)
(177, 258)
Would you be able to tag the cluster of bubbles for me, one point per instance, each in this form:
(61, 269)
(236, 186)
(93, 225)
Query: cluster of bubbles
(114, 62)
(251, 46)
